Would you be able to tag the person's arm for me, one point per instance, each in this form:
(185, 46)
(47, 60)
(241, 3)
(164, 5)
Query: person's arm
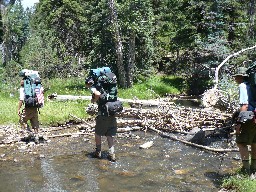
(95, 96)
(22, 96)
(243, 97)
(19, 106)
(244, 107)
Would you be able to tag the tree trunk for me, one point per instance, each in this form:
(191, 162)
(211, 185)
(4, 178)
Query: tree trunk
(118, 44)
(251, 15)
(131, 59)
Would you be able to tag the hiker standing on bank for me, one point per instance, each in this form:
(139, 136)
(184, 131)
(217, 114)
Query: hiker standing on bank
(27, 114)
(245, 131)
(105, 125)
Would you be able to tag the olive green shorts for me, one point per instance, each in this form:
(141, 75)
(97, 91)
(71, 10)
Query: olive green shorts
(30, 113)
(106, 125)
(248, 133)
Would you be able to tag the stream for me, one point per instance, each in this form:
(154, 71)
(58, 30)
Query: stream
(65, 164)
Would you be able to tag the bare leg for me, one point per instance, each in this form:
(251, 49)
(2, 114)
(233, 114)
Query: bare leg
(243, 150)
(98, 142)
(36, 130)
(97, 153)
(112, 156)
(110, 141)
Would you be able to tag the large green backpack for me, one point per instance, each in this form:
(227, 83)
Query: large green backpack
(105, 82)
(33, 88)
(107, 86)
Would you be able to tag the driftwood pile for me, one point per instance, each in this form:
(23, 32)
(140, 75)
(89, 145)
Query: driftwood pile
(169, 117)
(172, 118)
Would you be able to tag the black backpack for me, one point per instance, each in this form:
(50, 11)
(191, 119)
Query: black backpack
(251, 71)
(105, 82)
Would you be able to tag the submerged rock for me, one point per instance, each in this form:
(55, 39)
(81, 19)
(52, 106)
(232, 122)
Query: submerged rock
(196, 135)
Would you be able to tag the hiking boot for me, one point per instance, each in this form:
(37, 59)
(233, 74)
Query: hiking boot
(112, 157)
(36, 139)
(97, 154)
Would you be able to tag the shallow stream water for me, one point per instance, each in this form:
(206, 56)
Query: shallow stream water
(66, 165)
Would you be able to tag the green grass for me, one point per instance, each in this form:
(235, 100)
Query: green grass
(8, 106)
(239, 183)
(69, 86)
(54, 112)
(156, 86)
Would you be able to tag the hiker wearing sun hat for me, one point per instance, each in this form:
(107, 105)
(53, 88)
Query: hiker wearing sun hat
(245, 126)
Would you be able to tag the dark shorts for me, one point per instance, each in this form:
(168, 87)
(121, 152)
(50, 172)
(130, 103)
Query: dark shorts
(30, 113)
(106, 126)
(248, 133)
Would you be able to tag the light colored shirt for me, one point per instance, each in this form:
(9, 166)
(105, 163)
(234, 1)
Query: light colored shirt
(245, 96)
(22, 94)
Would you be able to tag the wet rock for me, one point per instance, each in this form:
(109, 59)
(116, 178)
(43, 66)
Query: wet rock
(2, 155)
(180, 171)
(196, 135)
(23, 147)
(146, 145)
(77, 178)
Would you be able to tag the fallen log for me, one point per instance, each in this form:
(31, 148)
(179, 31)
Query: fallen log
(69, 134)
(57, 97)
(192, 144)
(127, 129)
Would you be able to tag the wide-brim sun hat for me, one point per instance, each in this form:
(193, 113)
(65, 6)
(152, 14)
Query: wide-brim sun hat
(241, 71)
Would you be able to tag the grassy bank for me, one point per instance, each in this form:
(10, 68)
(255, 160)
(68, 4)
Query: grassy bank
(58, 112)
(239, 183)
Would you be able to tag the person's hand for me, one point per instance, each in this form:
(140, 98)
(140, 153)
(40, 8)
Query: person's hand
(238, 128)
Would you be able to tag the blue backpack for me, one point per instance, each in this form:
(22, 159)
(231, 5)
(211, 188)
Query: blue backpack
(33, 88)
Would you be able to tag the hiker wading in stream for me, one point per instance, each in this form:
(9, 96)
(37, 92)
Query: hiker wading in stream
(245, 126)
(28, 114)
(106, 125)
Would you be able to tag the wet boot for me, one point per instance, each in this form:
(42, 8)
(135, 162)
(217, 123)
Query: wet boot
(97, 154)
(253, 166)
(112, 157)
(246, 167)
